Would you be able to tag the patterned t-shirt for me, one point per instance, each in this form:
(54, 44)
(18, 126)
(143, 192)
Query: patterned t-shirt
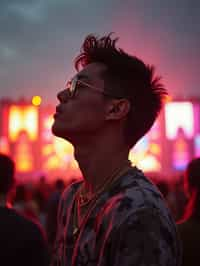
(129, 225)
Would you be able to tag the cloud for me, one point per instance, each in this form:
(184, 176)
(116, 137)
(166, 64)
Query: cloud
(40, 38)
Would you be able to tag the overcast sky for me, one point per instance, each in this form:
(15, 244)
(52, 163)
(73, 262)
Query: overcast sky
(40, 38)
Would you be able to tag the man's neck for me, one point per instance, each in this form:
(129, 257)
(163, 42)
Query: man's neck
(98, 162)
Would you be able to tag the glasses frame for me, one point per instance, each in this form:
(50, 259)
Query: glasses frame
(72, 87)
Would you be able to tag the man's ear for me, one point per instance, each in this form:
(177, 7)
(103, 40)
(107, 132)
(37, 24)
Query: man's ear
(118, 109)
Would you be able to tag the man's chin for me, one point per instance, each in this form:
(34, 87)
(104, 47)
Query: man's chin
(61, 134)
(56, 131)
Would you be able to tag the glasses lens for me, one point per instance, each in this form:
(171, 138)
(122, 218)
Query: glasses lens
(73, 86)
(70, 87)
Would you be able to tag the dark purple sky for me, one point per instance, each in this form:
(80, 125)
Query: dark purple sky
(40, 38)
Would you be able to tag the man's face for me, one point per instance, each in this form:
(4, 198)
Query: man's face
(84, 113)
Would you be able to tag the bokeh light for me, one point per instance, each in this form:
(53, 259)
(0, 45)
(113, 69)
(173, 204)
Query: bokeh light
(36, 100)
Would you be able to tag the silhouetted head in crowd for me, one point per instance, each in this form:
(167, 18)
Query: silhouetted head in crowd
(192, 188)
(42, 180)
(111, 91)
(7, 171)
(21, 193)
(192, 176)
(59, 184)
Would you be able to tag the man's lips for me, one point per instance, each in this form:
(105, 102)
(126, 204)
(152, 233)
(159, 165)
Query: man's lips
(55, 115)
(58, 111)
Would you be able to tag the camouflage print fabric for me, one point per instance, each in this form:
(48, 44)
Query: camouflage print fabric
(129, 225)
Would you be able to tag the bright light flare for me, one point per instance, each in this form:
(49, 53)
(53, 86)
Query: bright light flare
(179, 115)
(36, 100)
(23, 119)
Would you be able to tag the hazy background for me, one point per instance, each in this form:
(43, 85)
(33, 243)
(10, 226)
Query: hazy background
(39, 40)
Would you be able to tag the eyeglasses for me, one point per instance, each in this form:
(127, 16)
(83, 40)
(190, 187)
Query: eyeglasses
(72, 87)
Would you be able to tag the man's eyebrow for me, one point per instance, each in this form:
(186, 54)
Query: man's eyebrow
(82, 76)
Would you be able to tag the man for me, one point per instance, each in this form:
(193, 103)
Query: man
(188, 226)
(115, 216)
(22, 242)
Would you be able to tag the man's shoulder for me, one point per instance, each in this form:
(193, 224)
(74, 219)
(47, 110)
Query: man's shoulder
(12, 216)
(135, 187)
(71, 189)
(68, 195)
(135, 192)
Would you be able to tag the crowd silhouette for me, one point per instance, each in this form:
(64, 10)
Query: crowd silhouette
(32, 208)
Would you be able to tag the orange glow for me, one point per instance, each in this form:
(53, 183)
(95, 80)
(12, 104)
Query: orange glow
(63, 147)
(15, 122)
(23, 154)
(147, 162)
(52, 163)
(23, 165)
(23, 119)
(48, 122)
(168, 98)
(36, 100)
(74, 165)
(47, 149)
(31, 122)
(4, 145)
(150, 163)
(180, 145)
(57, 153)
(155, 148)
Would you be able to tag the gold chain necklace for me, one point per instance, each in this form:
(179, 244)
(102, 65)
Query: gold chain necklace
(86, 198)
(82, 201)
